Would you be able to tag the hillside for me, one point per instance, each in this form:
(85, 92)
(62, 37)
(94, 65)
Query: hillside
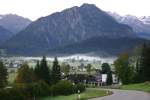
(4, 35)
(14, 23)
(75, 25)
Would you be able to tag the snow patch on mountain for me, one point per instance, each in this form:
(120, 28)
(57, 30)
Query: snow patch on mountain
(141, 25)
(145, 19)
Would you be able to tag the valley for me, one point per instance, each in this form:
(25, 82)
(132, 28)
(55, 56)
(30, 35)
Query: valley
(74, 50)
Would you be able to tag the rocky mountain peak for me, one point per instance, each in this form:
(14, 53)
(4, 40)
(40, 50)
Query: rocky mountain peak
(141, 25)
(86, 5)
(13, 22)
(69, 26)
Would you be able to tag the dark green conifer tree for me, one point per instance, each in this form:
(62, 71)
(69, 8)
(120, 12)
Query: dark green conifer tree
(37, 70)
(3, 75)
(56, 73)
(109, 78)
(42, 71)
(144, 68)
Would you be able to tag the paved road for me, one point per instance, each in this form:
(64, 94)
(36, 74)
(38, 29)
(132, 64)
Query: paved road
(125, 95)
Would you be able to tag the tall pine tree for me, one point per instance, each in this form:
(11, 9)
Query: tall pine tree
(42, 71)
(144, 68)
(123, 69)
(56, 73)
(37, 70)
(3, 75)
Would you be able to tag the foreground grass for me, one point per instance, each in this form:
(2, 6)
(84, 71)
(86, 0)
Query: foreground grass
(11, 77)
(140, 87)
(89, 93)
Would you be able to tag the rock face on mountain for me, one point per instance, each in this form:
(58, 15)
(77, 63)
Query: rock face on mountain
(140, 25)
(14, 23)
(4, 35)
(70, 26)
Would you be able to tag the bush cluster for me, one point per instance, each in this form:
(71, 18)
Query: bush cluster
(66, 88)
(79, 87)
(25, 91)
(62, 88)
(12, 94)
(39, 89)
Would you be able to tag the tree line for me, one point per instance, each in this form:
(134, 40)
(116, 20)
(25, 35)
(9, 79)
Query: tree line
(32, 83)
(40, 72)
(134, 67)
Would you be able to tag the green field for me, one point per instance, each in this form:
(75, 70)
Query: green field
(89, 93)
(11, 77)
(140, 87)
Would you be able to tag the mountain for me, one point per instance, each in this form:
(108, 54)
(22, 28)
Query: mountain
(4, 35)
(140, 25)
(71, 26)
(14, 23)
(99, 46)
(145, 19)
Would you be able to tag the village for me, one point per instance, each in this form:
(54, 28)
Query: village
(77, 67)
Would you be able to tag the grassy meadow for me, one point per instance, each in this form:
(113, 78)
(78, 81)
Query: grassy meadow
(140, 87)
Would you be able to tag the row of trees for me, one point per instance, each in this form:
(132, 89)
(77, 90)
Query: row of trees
(32, 83)
(123, 69)
(134, 68)
(41, 72)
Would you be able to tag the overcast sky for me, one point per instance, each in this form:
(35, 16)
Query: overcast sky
(34, 9)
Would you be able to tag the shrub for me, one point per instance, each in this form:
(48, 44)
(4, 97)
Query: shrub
(26, 91)
(66, 88)
(12, 94)
(38, 89)
(42, 89)
(62, 88)
(79, 87)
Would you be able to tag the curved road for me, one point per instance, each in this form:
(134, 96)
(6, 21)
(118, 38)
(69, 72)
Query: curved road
(125, 95)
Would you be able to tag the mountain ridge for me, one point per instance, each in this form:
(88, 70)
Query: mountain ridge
(4, 35)
(141, 25)
(72, 25)
(14, 23)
